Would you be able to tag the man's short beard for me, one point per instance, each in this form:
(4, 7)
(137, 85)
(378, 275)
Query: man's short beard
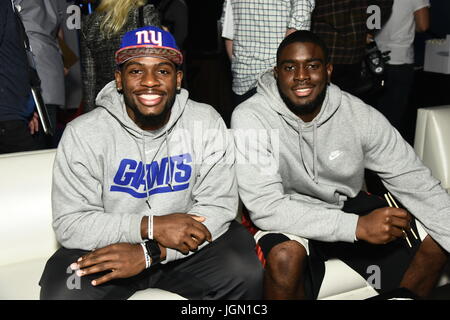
(304, 109)
(149, 121)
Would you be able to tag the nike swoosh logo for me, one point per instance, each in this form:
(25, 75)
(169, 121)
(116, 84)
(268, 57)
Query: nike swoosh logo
(334, 155)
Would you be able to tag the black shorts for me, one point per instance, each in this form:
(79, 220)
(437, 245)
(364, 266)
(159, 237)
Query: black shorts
(391, 259)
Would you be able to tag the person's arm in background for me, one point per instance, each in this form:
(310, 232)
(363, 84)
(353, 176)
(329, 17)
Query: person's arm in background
(229, 47)
(177, 14)
(87, 72)
(422, 19)
(301, 11)
(227, 27)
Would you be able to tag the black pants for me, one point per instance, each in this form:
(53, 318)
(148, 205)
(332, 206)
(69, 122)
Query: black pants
(228, 268)
(389, 261)
(394, 98)
(15, 136)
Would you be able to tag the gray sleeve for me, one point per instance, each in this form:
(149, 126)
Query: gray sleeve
(261, 190)
(79, 218)
(405, 176)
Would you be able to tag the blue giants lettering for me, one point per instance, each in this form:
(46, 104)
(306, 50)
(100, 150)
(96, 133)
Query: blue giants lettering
(131, 177)
(184, 172)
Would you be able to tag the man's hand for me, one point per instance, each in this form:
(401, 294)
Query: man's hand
(124, 260)
(383, 225)
(180, 231)
(33, 125)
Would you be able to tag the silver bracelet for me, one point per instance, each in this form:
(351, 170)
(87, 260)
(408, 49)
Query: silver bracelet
(150, 227)
(148, 261)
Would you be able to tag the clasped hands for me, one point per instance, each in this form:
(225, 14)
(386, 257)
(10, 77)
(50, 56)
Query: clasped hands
(179, 231)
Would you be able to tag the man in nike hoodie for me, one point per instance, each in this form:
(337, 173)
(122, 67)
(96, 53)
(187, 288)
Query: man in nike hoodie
(301, 181)
(144, 190)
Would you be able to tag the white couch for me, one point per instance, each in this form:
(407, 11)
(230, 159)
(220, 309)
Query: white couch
(27, 239)
(432, 141)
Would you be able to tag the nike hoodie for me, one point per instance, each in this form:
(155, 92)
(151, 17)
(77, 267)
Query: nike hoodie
(109, 173)
(295, 177)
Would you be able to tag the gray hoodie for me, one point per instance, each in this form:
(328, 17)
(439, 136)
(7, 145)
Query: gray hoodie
(305, 171)
(104, 162)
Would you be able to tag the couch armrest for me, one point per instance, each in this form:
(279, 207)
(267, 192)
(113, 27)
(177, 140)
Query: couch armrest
(25, 208)
(432, 141)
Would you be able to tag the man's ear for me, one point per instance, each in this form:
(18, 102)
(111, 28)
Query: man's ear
(118, 77)
(275, 72)
(179, 79)
(329, 68)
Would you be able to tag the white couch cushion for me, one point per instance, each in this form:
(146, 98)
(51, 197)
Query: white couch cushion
(20, 281)
(25, 208)
(432, 141)
(342, 282)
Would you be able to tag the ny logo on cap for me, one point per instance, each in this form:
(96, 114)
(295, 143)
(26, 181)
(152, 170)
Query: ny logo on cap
(149, 37)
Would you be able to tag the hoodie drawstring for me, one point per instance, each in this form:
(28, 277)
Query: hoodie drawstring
(314, 175)
(316, 178)
(144, 160)
(168, 160)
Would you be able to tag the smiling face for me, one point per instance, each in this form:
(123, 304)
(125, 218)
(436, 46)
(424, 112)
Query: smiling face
(149, 87)
(302, 77)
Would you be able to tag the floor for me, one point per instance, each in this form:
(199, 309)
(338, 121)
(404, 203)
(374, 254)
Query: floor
(441, 293)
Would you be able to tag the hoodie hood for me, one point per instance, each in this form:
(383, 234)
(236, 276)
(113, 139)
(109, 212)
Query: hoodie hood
(114, 103)
(267, 86)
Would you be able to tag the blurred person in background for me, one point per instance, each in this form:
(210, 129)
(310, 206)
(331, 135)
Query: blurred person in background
(397, 36)
(257, 32)
(18, 121)
(43, 20)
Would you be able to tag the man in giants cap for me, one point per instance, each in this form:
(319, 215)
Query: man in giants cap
(144, 190)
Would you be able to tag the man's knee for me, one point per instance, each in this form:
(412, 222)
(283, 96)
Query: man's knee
(286, 258)
(430, 250)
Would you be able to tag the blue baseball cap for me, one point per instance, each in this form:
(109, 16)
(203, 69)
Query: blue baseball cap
(148, 41)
